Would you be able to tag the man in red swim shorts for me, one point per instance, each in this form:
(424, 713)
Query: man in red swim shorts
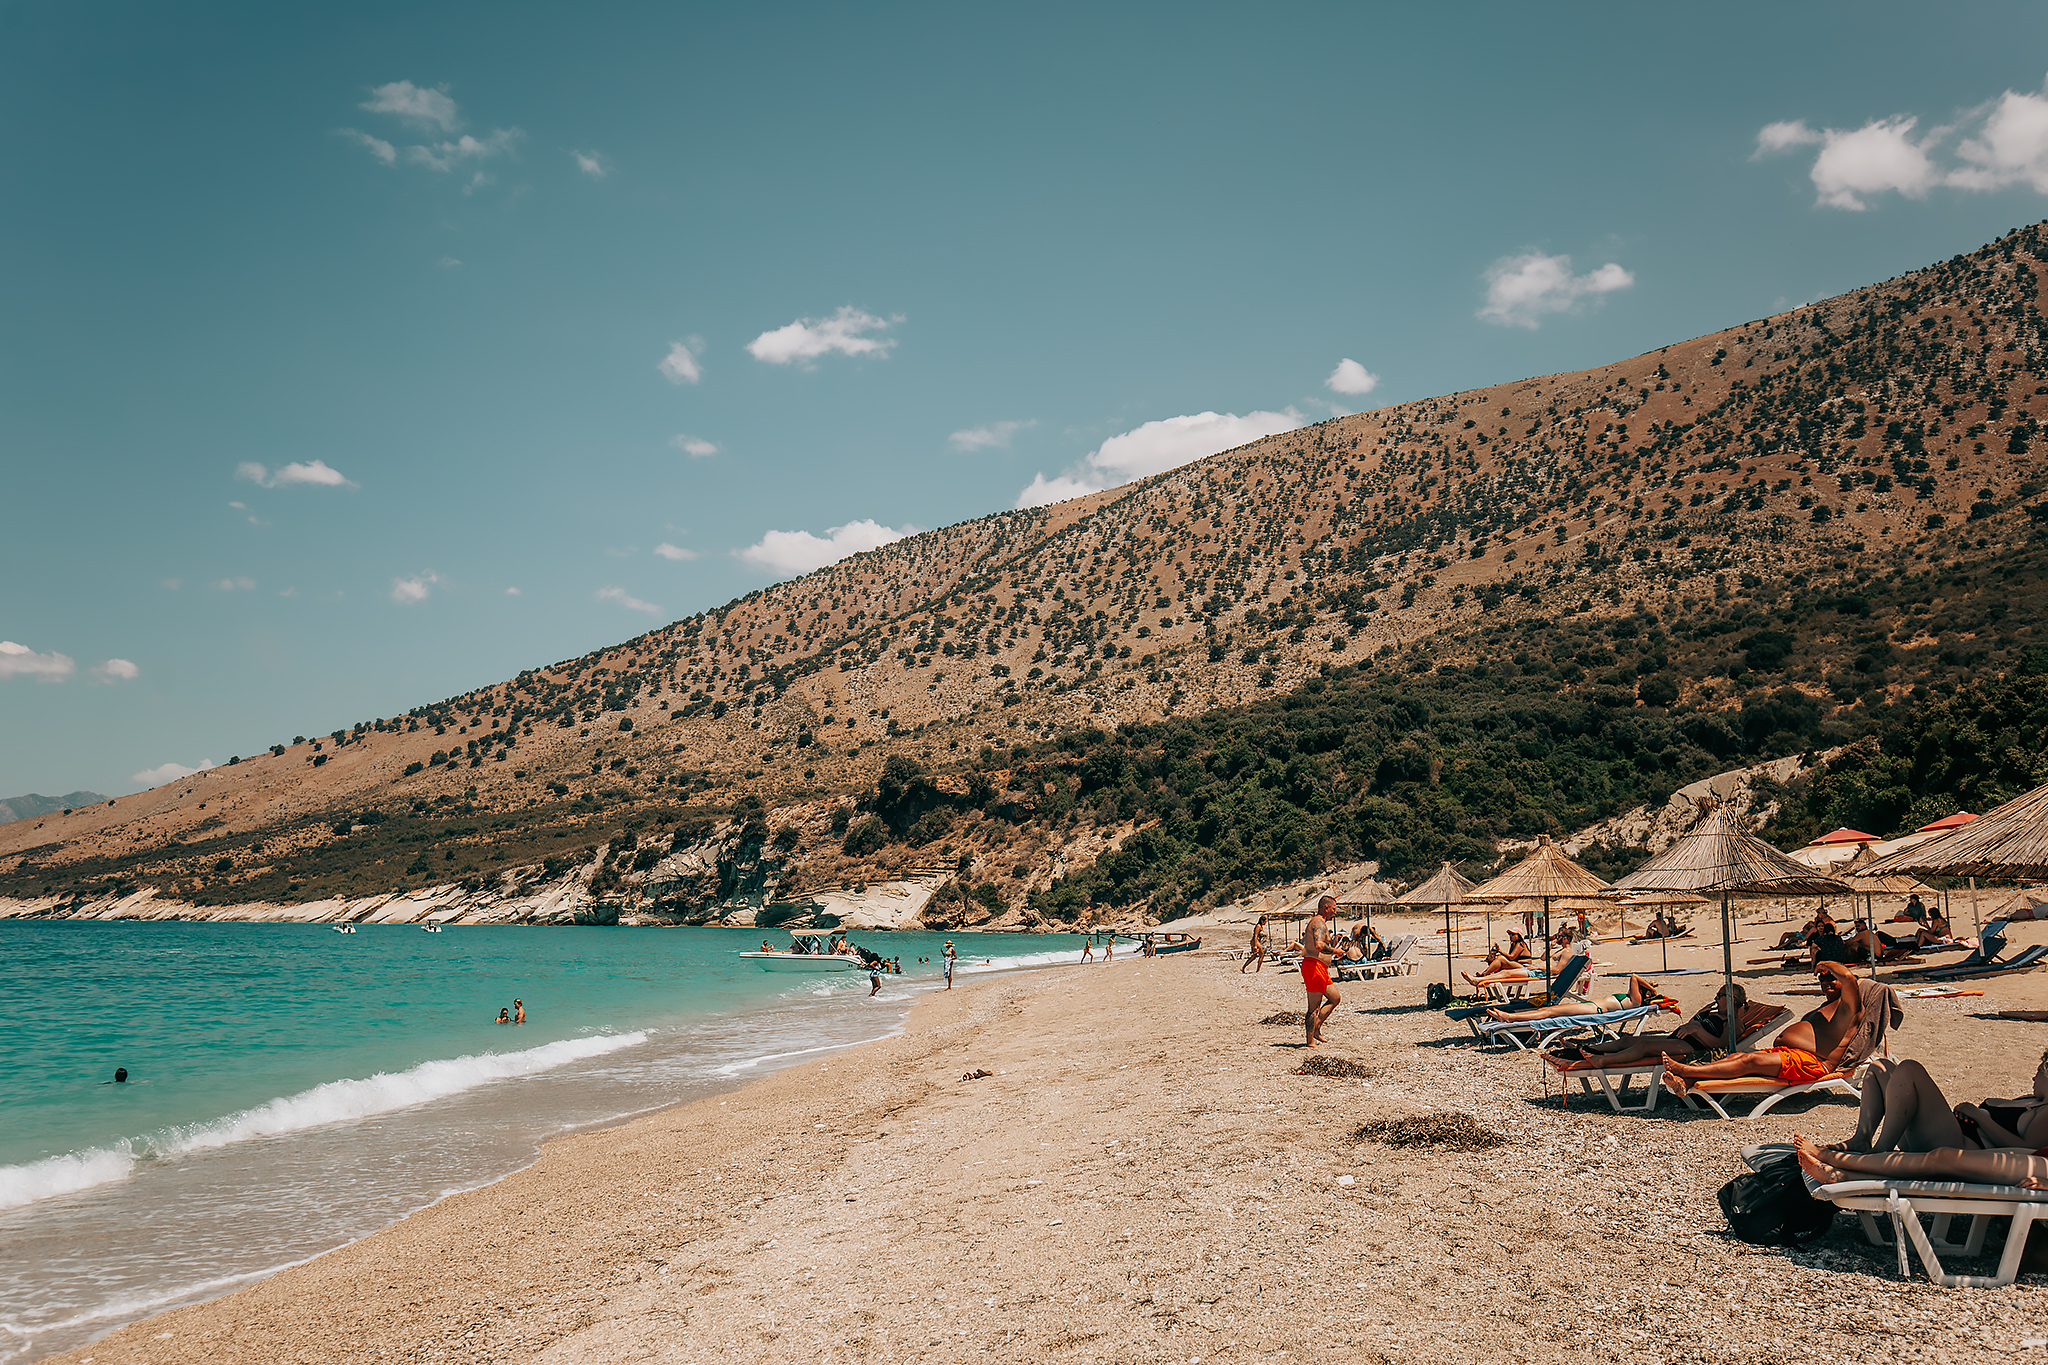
(1318, 950)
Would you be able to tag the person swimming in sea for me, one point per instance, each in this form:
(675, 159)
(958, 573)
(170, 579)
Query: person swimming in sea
(120, 1077)
(504, 1016)
(518, 1012)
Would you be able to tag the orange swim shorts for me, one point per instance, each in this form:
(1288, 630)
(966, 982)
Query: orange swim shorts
(1796, 1067)
(1315, 974)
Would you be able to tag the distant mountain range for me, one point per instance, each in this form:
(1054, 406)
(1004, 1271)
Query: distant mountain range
(30, 806)
(1769, 536)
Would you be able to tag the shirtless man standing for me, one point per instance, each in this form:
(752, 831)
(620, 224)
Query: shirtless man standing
(1318, 950)
(1255, 957)
(1806, 1051)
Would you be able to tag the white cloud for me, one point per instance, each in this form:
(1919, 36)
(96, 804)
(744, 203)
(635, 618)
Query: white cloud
(167, 772)
(996, 435)
(790, 554)
(2010, 149)
(808, 338)
(680, 365)
(19, 661)
(1154, 448)
(1520, 290)
(511, 592)
(694, 445)
(116, 670)
(313, 472)
(172, 583)
(236, 584)
(668, 551)
(592, 164)
(627, 600)
(414, 588)
(1776, 137)
(1351, 377)
(448, 156)
(418, 104)
(449, 263)
(377, 146)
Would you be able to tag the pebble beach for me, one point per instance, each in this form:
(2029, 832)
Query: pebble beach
(1144, 1175)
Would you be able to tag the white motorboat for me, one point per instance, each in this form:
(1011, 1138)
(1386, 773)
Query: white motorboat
(806, 953)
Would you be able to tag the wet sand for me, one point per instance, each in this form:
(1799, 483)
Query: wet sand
(1144, 1177)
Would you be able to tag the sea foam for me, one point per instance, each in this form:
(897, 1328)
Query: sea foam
(332, 1102)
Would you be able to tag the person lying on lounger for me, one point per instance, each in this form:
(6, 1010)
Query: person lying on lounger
(1800, 937)
(1905, 1111)
(1704, 1032)
(1997, 1166)
(1661, 926)
(1639, 992)
(1806, 1051)
(1517, 955)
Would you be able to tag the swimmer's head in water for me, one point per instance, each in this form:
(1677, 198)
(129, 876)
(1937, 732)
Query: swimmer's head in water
(121, 1075)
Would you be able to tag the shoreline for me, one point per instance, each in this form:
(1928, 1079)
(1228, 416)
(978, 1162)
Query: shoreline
(1142, 1176)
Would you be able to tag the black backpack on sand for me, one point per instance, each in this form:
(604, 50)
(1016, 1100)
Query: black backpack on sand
(1437, 996)
(1770, 1206)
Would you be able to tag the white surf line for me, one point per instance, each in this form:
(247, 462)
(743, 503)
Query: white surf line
(331, 1102)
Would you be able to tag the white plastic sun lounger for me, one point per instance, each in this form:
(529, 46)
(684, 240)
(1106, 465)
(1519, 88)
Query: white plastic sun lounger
(1527, 1033)
(1848, 1083)
(1905, 1202)
(1613, 1080)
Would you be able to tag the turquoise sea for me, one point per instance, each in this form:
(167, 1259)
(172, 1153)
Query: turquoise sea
(291, 1088)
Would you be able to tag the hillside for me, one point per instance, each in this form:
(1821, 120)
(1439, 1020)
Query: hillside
(1786, 526)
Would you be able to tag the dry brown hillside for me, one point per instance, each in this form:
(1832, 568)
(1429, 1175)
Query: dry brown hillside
(1806, 447)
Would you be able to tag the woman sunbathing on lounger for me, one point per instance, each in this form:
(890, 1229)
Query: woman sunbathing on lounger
(1704, 1032)
(1905, 1111)
(1806, 1051)
(1517, 955)
(1999, 1166)
(1639, 992)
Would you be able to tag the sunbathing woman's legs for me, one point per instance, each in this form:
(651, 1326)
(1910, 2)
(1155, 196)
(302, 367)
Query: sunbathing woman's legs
(1903, 1111)
(1495, 978)
(1646, 1047)
(2000, 1166)
(1560, 1011)
(1680, 1076)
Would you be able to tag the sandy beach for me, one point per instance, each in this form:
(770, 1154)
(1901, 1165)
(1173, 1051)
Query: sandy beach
(1144, 1177)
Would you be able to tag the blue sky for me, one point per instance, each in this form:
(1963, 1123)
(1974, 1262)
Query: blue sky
(352, 356)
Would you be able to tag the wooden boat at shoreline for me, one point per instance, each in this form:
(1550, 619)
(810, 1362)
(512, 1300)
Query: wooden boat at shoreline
(1162, 944)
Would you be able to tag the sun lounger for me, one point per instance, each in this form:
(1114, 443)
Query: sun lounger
(1905, 1202)
(1567, 975)
(1989, 945)
(2025, 960)
(1525, 1034)
(1613, 1080)
(1399, 961)
(1686, 932)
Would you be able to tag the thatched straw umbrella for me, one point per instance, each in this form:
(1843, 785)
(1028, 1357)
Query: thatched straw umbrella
(1717, 857)
(2008, 842)
(1447, 888)
(1545, 875)
(1363, 897)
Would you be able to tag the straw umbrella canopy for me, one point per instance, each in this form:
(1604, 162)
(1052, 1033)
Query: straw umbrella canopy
(1363, 897)
(1545, 875)
(1717, 857)
(1447, 888)
(2008, 842)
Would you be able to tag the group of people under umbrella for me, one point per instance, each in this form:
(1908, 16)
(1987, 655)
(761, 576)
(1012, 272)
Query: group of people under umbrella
(1718, 861)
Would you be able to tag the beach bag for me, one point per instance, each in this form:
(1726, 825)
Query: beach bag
(1770, 1207)
(1438, 995)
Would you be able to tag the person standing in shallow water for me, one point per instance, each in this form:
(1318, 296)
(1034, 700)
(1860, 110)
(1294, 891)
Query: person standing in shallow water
(504, 1016)
(518, 1012)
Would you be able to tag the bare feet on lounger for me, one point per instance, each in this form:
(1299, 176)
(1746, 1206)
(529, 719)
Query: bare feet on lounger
(1811, 1160)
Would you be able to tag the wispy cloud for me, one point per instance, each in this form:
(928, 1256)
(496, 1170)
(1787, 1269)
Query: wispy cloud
(806, 339)
(1997, 145)
(315, 473)
(790, 553)
(511, 592)
(376, 146)
(1522, 290)
(413, 588)
(1351, 377)
(464, 151)
(116, 671)
(236, 585)
(19, 661)
(680, 365)
(677, 552)
(627, 600)
(167, 772)
(694, 445)
(994, 436)
(1154, 447)
(592, 164)
(428, 106)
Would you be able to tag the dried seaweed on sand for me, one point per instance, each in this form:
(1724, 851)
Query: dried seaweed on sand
(1283, 1017)
(1321, 1064)
(1441, 1128)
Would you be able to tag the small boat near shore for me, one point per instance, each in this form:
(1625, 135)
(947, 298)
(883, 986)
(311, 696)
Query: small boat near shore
(1162, 944)
(807, 954)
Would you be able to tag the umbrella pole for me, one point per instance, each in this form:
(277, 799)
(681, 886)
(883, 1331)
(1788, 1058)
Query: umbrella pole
(1447, 950)
(1979, 919)
(1550, 982)
(1727, 973)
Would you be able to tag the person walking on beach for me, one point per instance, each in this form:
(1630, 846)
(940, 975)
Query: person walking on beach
(874, 981)
(1108, 946)
(518, 1012)
(1088, 948)
(1255, 956)
(1318, 949)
